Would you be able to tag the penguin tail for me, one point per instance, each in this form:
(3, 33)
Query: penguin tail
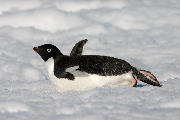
(146, 77)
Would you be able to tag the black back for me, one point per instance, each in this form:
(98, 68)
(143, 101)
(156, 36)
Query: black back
(93, 64)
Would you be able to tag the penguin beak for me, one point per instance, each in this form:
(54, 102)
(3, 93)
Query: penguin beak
(36, 49)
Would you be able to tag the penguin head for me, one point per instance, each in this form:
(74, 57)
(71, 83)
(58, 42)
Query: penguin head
(47, 51)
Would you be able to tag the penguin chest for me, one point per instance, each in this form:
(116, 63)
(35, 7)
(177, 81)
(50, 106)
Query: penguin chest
(84, 80)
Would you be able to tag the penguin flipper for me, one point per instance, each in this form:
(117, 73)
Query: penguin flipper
(78, 48)
(63, 74)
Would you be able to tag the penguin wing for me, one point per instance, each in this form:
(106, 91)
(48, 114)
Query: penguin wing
(60, 72)
(78, 48)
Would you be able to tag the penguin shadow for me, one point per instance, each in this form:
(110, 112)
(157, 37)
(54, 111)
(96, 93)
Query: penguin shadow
(140, 85)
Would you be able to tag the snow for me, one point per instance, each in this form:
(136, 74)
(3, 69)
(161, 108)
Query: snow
(71, 6)
(44, 19)
(13, 107)
(143, 32)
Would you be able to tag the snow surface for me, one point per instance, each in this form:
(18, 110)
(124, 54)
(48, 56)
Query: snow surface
(143, 32)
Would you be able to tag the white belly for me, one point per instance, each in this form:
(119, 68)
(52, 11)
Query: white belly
(83, 80)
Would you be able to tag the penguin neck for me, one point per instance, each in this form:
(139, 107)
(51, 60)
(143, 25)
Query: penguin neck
(57, 56)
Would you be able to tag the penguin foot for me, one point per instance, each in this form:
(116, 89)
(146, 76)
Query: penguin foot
(150, 75)
(133, 82)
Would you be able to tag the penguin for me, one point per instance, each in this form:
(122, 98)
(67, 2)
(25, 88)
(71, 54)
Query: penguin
(82, 72)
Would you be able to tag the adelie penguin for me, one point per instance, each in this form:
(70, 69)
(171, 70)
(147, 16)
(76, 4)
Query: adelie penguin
(80, 72)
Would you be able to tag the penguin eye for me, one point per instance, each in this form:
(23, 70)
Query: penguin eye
(48, 50)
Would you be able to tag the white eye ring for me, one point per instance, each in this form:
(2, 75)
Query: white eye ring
(48, 50)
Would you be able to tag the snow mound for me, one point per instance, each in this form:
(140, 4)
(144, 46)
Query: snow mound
(51, 20)
(31, 74)
(17, 5)
(172, 104)
(13, 107)
(71, 6)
